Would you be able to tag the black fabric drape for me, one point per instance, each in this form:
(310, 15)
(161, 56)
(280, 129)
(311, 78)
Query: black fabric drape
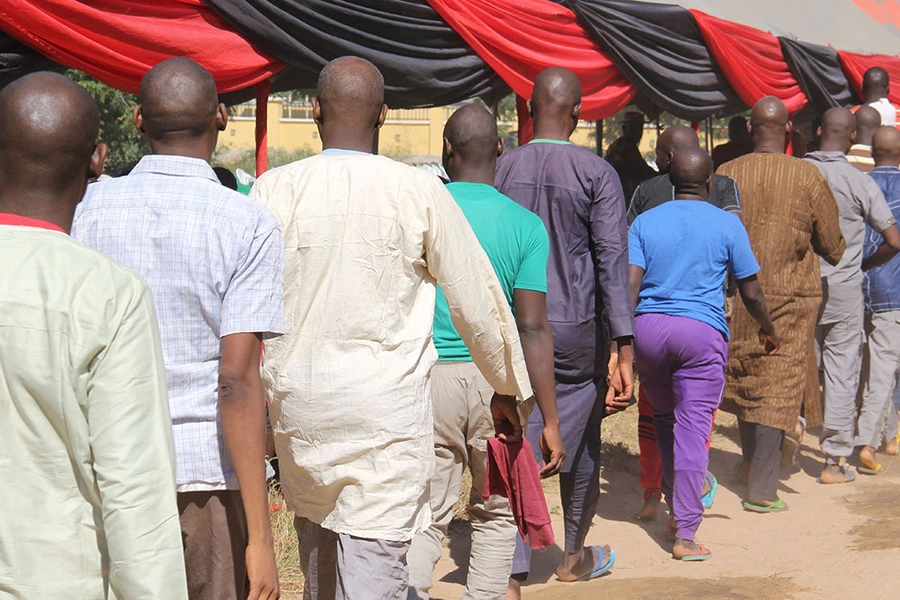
(818, 71)
(424, 61)
(17, 59)
(661, 52)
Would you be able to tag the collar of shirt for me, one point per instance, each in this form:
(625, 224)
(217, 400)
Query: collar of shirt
(884, 169)
(865, 147)
(181, 166)
(549, 141)
(341, 152)
(11, 219)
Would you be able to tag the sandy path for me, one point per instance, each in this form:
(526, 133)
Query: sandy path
(838, 541)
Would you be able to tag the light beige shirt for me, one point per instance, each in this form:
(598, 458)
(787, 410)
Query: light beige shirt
(366, 238)
(87, 499)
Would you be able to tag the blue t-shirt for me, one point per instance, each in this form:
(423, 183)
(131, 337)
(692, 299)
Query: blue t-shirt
(514, 240)
(686, 248)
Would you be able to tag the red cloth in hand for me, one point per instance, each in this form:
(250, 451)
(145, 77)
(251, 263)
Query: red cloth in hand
(513, 473)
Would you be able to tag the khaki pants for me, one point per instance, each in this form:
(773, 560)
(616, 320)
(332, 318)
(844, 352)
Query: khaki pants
(462, 426)
(214, 531)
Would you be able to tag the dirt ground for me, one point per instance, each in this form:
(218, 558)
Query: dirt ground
(839, 541)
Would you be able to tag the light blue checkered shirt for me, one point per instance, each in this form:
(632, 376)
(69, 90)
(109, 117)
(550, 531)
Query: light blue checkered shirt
(214, 260)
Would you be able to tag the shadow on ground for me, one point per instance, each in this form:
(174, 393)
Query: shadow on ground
(724, 588)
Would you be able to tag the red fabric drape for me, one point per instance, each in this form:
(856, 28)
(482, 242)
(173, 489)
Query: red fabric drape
(752, 61)
(856, 65)
(118, 41)
(521, 38)
(262, 126)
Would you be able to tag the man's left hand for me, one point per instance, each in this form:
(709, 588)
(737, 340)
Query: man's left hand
(507, 425)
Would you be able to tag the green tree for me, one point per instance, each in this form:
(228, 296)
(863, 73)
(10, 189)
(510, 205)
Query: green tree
(117, 130)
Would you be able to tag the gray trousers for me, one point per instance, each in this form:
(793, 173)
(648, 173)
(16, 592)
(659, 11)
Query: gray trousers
(337, 566)
(839, 349)
(883, 334)
(462, 425)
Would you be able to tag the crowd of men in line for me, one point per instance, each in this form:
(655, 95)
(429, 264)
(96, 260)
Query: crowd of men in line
(405, 323)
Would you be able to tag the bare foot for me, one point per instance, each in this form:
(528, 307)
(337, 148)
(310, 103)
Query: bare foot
(890, 447)
(513, 590)
(867, 457)
(650, 510)
(689, 550)
(836, 474)
(578, 564)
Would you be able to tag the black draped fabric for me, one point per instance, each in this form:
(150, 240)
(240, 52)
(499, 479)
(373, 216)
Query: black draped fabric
(660, 50)
(424, 61)
(819, 73)
(17, 59)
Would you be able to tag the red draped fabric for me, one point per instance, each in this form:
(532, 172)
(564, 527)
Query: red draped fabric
(521, 38)
(752, 61)
(118, 41)
(856, 65)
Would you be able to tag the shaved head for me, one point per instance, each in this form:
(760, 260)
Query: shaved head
(556, 90)
(875, 78)
(769, 124)
(671, 141)
(886, 146)
(691, 171)
(351, 89)
(769, 111)
(867, 121)
(48, 133)
(838, 130)
(472, 133)
(178, 98)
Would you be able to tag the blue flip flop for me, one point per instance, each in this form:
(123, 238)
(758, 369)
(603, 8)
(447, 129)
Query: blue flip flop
(601, 569)
(709, 496)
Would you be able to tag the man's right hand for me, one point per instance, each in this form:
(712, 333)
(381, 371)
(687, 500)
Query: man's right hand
(505, 413)
(770, 341)
(553, 451)
(261, 571)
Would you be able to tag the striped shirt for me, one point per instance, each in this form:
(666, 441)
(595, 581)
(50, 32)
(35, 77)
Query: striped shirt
(860, 156)
(214, 260)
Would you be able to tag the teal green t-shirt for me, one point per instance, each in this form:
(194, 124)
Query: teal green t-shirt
(514, 240)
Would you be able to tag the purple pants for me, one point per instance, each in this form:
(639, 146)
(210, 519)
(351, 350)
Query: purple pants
(681, 362)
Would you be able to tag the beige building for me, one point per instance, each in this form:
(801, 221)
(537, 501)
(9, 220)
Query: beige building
(414, 135)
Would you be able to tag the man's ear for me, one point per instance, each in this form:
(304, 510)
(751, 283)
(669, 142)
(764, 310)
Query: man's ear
(98, 159)
(499, 146)
(576, 111)
(530, 109)
(317, 111)
(819, 132)
(138, 118)
(448, 148)
(221, 117)
(382, 116)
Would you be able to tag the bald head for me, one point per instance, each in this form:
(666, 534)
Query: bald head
(471, 132)
(691, 173)
(350, 90)
(876, 84)
(886, 146)
(838, 130)
(178, 101)
(555, 102)
(672, 140)
(769, 124)
(48, 134)
(867, 121)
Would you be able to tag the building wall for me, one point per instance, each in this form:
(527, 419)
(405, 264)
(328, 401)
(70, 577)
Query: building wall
(406, 133)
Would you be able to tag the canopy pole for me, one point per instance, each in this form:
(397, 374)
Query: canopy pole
(709, 134)
(262, 126)
(598, 136)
